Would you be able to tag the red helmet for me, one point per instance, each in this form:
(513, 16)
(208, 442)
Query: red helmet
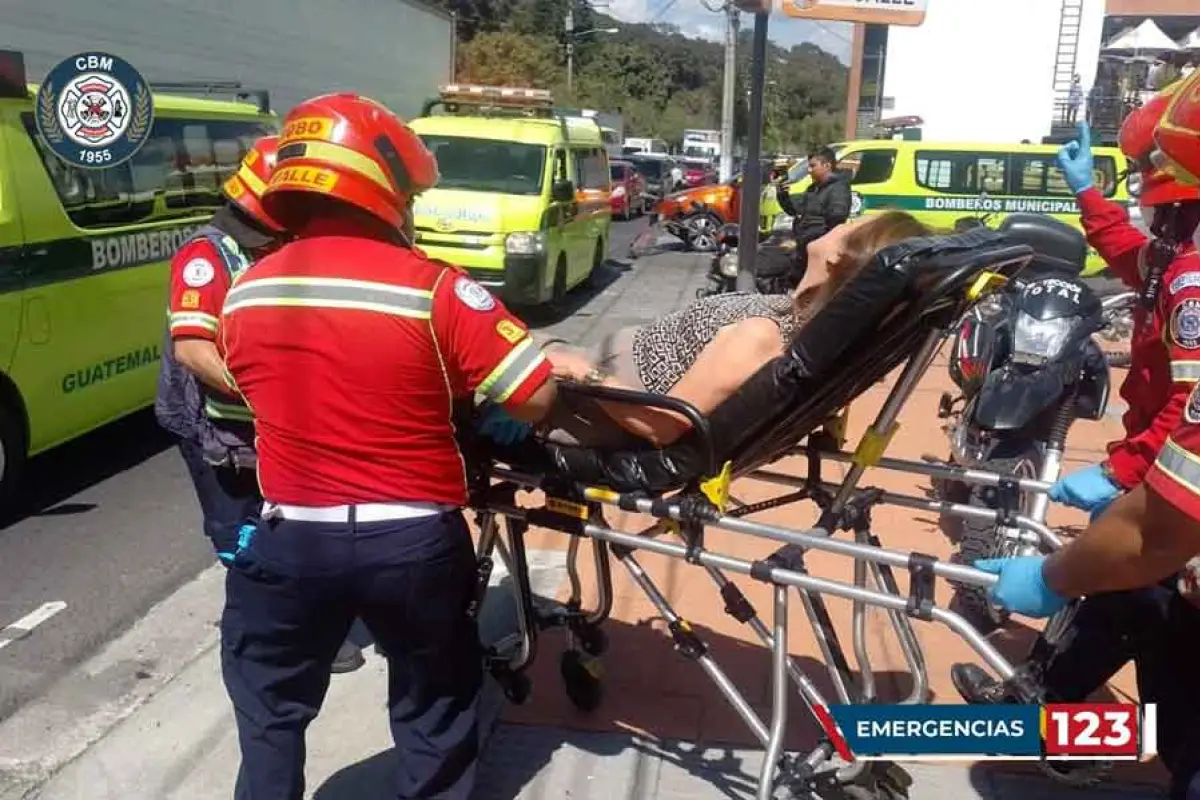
(1178, 132)
(355, 150)
(1137, 142)
(245, 187)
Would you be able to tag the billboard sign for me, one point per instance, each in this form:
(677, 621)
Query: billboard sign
(875, 12)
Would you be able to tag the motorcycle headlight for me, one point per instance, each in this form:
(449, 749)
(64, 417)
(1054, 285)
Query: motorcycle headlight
(525, 243)
(783, 222)
(729, 264)
(1039, 340)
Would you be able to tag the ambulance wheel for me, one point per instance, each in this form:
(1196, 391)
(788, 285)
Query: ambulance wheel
(592, 640)
(559, 291)
(12, 453)
(580, 674)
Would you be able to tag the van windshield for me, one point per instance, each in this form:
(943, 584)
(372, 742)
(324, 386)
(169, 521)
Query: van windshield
(651, 168)
(488, 165)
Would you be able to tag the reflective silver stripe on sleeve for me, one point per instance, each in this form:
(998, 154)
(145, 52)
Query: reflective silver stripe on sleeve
(215, 409)
(510, 373)
(330, 293)
(1180, 465)
(193, 319)
(1185, 371)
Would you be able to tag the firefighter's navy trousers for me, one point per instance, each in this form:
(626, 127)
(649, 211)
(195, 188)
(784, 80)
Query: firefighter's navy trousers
(292, 594)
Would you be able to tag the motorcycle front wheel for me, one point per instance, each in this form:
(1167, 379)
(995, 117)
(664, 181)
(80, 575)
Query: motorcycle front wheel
(982, 539)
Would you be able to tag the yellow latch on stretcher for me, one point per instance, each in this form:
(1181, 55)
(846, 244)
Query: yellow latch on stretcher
(716, 488)
(566, 508)
(873, 445)
(986, 282)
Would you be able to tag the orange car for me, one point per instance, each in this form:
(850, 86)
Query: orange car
(702, 210)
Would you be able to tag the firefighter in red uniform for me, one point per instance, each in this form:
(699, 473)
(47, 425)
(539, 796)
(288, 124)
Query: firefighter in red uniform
(355, 350)
(1151, 534)
(214, 428)
(1165, 271)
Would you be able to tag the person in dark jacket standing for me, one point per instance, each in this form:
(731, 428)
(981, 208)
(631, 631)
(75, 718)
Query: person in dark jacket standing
(824, 205)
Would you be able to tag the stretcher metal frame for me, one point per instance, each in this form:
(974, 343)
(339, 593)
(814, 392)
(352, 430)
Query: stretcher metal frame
(578, 511)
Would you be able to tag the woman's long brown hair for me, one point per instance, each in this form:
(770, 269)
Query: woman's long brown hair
(859, 248)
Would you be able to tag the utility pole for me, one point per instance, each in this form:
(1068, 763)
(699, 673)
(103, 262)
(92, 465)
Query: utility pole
(732, 20)
(570, 24)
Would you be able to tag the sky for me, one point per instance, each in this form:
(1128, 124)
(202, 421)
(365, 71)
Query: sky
(694, 19)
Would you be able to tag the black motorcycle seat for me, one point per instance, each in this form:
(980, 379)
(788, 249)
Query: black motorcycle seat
(1051, 239)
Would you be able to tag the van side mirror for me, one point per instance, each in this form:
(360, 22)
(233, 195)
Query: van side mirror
(562, 192)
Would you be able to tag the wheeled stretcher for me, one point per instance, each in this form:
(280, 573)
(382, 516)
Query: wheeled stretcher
(896, 312)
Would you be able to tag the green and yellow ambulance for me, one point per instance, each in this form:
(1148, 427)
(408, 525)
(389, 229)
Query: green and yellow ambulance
(84, 261)
(941, 184)
(523, 200)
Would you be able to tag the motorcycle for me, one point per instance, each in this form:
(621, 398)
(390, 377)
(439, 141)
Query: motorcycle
(773, 261)
(1027, 367)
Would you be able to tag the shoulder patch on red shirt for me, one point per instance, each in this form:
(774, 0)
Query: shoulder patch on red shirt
(1185, 324)
(1184, 281)
(199, 272)
(473, 295)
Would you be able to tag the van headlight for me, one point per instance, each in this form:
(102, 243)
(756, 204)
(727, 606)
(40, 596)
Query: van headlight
(729, 264)
(1038, 341)
(525, 243)
(783, 222)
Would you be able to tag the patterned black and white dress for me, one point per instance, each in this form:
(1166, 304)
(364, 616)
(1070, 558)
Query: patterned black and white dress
(665, 350)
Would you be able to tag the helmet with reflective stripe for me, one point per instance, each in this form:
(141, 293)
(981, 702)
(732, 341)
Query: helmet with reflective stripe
(1178, 132)
(355, 150)
(245, 187)
(1137, 142)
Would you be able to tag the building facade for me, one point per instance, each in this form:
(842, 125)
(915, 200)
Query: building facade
(982, 71)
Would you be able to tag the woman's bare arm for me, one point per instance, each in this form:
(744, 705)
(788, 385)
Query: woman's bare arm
(734, 354)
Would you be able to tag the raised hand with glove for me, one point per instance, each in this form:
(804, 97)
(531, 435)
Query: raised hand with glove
(1089, 489)
(498, 425)
(1075, 159)
(1021, 588)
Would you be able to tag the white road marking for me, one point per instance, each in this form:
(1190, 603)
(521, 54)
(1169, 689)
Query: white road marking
(25, 625)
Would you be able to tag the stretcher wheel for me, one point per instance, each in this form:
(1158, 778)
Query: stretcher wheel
(581, 679)
(592, 640)
(516, 687)
(1081, 775)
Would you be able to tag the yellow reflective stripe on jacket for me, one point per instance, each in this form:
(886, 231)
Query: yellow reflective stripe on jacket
(218, 410)
(512, 371)
(1180, 465)
(1185, 371)
(383, 298)
(193, 319)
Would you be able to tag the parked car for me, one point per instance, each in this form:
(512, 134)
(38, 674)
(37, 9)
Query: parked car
(628, 190)
(698, 172)
(662, 173)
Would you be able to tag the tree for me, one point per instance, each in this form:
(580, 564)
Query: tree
(505, 58)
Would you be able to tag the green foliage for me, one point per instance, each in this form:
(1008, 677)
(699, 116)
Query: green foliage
(659, 79)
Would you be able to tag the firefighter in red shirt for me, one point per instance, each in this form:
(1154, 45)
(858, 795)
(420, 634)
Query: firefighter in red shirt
(1151, 534)
(357, 354)
(1165, 347)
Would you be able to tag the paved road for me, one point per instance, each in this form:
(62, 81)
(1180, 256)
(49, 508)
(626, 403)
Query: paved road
(110, 525)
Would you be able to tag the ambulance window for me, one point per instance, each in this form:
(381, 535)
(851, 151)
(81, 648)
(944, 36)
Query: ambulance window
(177, 169)
(1040, 176)
(868, 166)
(589, 166)
(962, 173)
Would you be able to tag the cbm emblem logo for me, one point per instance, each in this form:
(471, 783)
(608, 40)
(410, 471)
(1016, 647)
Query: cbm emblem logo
(94, 110)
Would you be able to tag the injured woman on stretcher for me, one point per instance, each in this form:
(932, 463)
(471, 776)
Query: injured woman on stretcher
(703, 353)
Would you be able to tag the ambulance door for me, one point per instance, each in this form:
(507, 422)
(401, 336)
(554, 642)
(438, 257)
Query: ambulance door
(12, 245)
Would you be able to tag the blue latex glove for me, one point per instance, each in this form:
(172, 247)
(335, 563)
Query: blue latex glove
(496, 424)
(1075, 159)
(1021, 588)
(1088, 488)
(245, 536)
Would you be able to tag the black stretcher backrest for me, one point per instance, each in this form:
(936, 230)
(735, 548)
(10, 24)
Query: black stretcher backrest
(872, 325)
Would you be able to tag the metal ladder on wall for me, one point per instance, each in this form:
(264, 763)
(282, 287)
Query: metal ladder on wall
(1069, 23)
